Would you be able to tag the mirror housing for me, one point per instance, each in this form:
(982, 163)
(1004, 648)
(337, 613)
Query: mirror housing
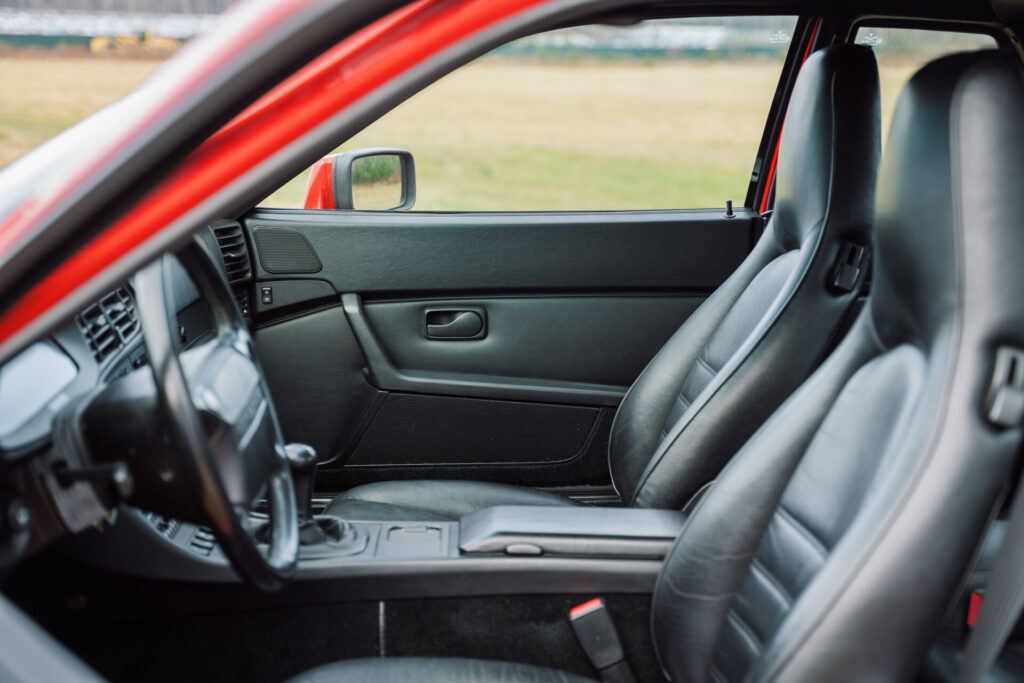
(333, 178)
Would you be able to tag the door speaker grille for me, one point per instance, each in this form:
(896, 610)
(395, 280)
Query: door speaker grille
(283, 250)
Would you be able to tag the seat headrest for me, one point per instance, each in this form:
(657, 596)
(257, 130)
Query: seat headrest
(828, 154)
(950, 201)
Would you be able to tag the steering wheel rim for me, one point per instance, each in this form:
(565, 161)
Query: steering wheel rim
(200, 466)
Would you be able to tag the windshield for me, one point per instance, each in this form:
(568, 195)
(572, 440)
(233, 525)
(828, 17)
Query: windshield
(64, 60)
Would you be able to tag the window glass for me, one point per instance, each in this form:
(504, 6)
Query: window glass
(662, 114)
(901, 52)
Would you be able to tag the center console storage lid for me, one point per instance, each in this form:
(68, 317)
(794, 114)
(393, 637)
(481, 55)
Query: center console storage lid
(569, 531)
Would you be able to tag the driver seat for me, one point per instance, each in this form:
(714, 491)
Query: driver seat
(750, 344)
(831, 544)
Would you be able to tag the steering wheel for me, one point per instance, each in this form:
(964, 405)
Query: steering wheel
(220, 419)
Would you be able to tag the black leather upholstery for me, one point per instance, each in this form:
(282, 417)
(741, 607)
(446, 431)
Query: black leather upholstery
(766, 328)
(760, 334)
(434, 670)
(946, 658)
(434, 500)
(832, 543)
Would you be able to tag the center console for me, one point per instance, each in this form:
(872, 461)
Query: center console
(496, 550)
(503, 550)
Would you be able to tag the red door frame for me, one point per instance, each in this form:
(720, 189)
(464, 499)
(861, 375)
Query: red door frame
(341, 76)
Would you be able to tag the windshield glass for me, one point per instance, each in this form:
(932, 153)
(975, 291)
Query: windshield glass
(64, 60)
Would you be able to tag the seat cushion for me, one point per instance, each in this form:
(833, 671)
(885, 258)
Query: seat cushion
(433, 500)
(428, 669)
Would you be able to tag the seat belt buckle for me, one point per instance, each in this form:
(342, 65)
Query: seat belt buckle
(596, 632)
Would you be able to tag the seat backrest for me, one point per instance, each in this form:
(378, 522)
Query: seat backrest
(768, 326)
(830, 546)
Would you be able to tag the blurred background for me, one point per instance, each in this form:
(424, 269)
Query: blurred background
(663, 114)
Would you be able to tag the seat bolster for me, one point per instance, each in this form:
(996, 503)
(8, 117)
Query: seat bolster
(642, 418)
(434, 670)
(433, 500)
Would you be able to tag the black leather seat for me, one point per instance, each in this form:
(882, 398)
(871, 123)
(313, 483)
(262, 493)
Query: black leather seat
(752, 342)
(830, 545)
(946, 656)
(945, 659)
(415, 669)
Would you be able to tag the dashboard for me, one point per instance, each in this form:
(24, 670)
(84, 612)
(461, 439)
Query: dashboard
(41, 390)
(102, 343)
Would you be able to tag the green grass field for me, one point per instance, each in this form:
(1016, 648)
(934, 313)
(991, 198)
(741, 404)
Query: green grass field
(42, 97)
(501, 135)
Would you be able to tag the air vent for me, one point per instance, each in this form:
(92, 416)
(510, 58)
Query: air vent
(109, 324)
(233, 251)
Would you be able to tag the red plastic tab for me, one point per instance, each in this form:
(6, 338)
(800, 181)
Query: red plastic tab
(586, 608)
(973, 607)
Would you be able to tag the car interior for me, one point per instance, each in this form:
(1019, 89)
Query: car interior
(775, 442)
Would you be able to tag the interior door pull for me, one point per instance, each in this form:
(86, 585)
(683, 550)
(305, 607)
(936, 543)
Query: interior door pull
(455, 324)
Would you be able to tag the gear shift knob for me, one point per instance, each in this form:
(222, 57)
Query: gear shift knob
(302, 460)
(342, 537)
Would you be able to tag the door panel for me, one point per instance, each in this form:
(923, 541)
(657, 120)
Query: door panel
(384, 374)
(315, 373)
(388, 253)
(572, 308)
(414, 430)
(597, 339)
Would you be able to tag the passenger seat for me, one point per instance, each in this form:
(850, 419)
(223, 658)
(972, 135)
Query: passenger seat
(752, 343)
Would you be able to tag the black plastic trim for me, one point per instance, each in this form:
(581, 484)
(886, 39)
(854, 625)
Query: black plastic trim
(384, 375)
(391, 253)
(133, 546)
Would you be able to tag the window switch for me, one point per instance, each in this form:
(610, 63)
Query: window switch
(267, 295)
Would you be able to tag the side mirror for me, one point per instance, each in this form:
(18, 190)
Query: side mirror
(378, 179)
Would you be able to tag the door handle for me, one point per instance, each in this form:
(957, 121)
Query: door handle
(455, 324)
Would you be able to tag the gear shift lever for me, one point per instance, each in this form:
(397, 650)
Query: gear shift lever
(341, 536)
(302, 462)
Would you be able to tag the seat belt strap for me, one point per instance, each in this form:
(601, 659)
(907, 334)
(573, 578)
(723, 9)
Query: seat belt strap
(1004, 600)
